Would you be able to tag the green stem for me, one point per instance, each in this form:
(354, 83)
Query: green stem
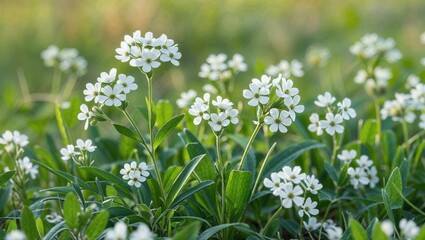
(334, 149)
(133, 124)
(221, 163)
(378, 121)
(275, 215)
(250, 141)
(262, 169)
(56, 81)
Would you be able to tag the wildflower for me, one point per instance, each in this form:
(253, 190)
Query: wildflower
(200, 112)
(126, 83)
(358, 177)
(334, 233)
(372, 175)
(317, 56)
(364, 162)
(142, 233)
(68, 152)
(293, 175)
(232, 115)
(92, 92)
(128, 168)
(85, 146)
(347, 156)
(361, 77)
(332, 124)
(286, 89)
(256, 94)
(346, 111)
(136, 179)
(222, 103)
(309, 207)
(324, 100)
(264, 82)
(15, 235)
(312, 184)
(274, 183)
(123, 52)
(293, 107)
(387, 227)
(287, 69)
(186, 98)
(113, 96)
(50, 56)
(217, 62)
(209, 88)
(148, 60)
(408, 228)
(85, 115)
(171, 55)
(291, 195)
(312, 224)
(315, 124)
(278, 121)
(26, 165)
(119, 232)
(237, 63)
(218, 121)
(108, 78)
(412, 81)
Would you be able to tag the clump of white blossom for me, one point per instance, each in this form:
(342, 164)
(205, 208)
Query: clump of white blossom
(364, 174)
(67, 60)
(277, 100)
(333, 231)
(186, 98)
(293, 187)
(317, 56)
(120, 232)
(147, 52)
(135, 173)
(335, 116)
(16, 235)
(79, 153)
(219, 68)
(288, 69)
(409, 230)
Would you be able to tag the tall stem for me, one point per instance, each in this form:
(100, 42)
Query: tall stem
(221, 163)
(275, 215)
(248, 145)
(334, 149)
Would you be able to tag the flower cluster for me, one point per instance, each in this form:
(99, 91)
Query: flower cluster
(186, 98)
(292, 186)
(362, 175)
(67, 60)
(147, 52)
(120, 232)
(335, 115)
(16, 235)
(375, 82)
(332, 230)
(13, 142)
(278, 99)
(371, 45)
(135, 173)
(107, 91)
(286, 68)
(217, 69)
(219, 119)
(317, 56)
(408, 228)
(79, 152)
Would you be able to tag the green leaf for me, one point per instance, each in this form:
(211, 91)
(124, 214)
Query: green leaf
(331, 171)
(343, 177)
(5, 177)
(357, 230)
(189, 232)
(170, 175)
(207, 234)
(421, 234)
(164, 111)
(127, 132)
(389, 146)
(97, 225)
(288, 155)
(71, 211)
(28, 224)
(165, 130)
(119, 183)
(377, 233)
(5, 194)
(11, 225)
(40, 226)
(394, 180)
(368, 132)
(54, 231)
(188, 193)
(250, 162)
(182, 179)
(238, 190)
(387, 204)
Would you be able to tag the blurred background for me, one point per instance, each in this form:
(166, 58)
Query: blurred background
(264, 32)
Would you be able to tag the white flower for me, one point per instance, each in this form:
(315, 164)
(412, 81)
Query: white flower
(285, 88)
(334, 233)
(149, 40)
(108, 78)
(324, 100)
(274, 183)
(136, 179)
(364, 162)
(142, 233)
(361, 77)
(26, 165)
(412, 80)
(128, 168)
(126, 83)
(347, 156)
(408, 228)
(237, 63)
(311, 225)
(186, 98)
(292, 175)
(68, 152)
(92, 92)
(232, 115)
(207, 72)
(6, 138)
(332, 124)
(119, 232)
(422, 121)
(219, 121)
(257, 94)
(143, 168)
(294, 68)
(209, 88)
(312, 184)
(50, 56)
(113, 96)
(358, 177)
(278, 121)
(123, 52)
(291, 195)
(217, 62)
(85, 145)
(200, 112)
(15, 235)
(372, 174)
(222, 103)
(264, 82)
(171, 55)
(315, 124)
(387, 227)
(309, 207)
(148, 60)
(292, 104)
(318, 56)
(346, 111)
(85, 115)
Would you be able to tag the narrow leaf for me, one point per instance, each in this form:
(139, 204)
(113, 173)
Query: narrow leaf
(188, 193)
(207, 234)
(165, 130)
(5, 177)
(394, 181)
(97, 225)
(127, 132)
